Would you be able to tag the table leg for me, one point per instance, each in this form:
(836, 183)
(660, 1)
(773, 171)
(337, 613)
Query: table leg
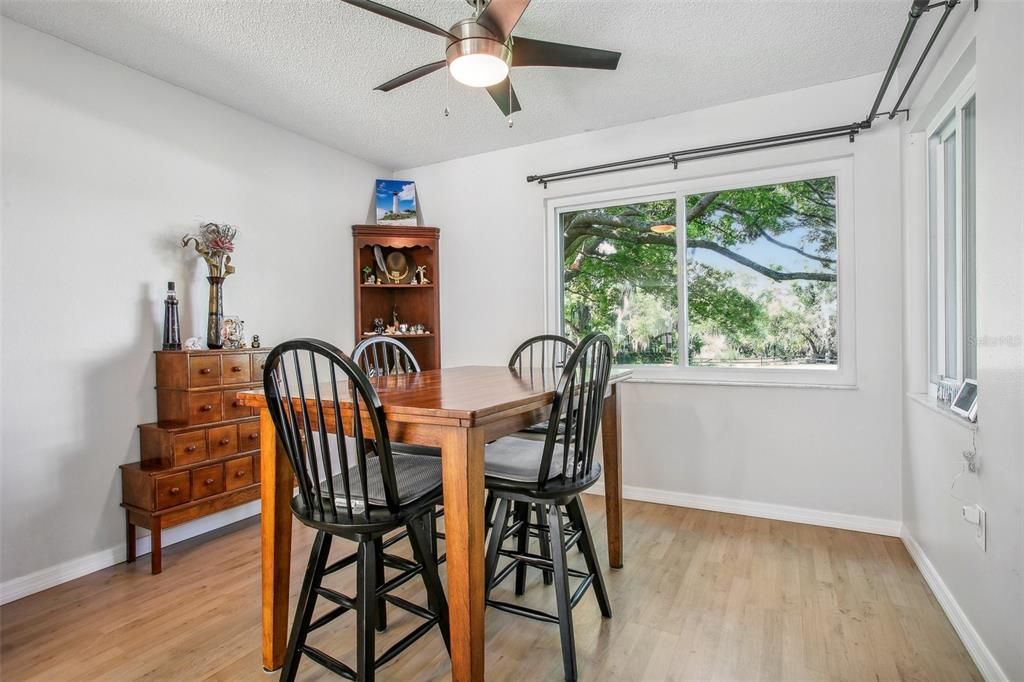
(462, 453)
(611, 448)
(276, 524)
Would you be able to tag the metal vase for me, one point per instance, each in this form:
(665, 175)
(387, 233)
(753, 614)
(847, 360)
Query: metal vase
(216, 318)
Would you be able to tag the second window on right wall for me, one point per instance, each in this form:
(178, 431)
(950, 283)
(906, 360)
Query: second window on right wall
(952, 297)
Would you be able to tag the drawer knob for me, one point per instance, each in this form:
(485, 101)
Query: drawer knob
(236, 368)
(208, 481)
(175, 490)
(235, 404)
(190, 448)
(225, 441)
(205, 370)
(206, 408)
(253, 436)
(240, 473)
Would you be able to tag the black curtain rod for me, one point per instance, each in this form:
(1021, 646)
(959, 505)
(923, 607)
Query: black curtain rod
(917, 8)
(676, 158)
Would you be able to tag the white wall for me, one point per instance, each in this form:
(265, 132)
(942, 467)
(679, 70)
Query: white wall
(104, 169)
(983, 592)
(833, 452)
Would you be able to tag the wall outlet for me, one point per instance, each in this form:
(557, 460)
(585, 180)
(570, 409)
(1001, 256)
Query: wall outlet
(976, 516)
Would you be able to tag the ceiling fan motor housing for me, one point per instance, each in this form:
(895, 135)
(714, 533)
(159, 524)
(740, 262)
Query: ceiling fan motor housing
(474, 39)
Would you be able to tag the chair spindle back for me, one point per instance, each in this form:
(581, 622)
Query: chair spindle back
(546, 353)
(382, 356)
(311, 387)
(579, 404)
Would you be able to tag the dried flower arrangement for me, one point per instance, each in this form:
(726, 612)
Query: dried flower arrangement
(214, 243)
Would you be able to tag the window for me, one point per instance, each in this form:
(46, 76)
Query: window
(952, 297)
(745, 283)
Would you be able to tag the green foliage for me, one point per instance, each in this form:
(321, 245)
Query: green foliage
(621, 276)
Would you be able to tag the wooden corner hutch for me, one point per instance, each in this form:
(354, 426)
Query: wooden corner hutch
(413, 303)
(202, 455)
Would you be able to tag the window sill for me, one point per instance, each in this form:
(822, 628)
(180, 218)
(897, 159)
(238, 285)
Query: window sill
(929, 403)
(647, 375)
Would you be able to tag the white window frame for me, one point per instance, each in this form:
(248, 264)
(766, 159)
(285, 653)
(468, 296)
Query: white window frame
(948, 121)
(844, 374)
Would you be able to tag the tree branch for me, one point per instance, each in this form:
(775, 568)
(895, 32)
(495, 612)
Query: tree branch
(602, 232)
(775, 275)
(797, 249)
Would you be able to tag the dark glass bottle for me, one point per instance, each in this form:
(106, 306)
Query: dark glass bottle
(172, 327)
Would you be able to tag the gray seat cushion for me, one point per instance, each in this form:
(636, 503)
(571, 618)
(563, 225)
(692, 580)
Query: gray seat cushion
(417, 477)
(518, 459)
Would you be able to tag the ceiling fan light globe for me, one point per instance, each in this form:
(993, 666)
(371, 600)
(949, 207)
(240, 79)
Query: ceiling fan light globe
(478, 70)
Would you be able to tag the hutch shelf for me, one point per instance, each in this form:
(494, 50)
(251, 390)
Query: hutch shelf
(412, 303)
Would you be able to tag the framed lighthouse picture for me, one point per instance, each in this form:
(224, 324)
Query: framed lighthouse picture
(395, 202)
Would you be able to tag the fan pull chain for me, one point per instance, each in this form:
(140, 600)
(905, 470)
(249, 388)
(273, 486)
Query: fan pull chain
(447, 89)
(509, 102)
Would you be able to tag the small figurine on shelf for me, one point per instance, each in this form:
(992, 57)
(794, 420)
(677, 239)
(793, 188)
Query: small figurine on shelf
(394, 316)
(403, 328)
(368, 277)
(378, 325)
(255, 341)
(193, 343)
(421, 274)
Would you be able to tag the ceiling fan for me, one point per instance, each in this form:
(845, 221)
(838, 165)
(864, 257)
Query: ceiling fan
(481, 49)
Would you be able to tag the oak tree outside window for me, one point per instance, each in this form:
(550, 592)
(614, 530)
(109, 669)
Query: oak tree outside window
(746, 278)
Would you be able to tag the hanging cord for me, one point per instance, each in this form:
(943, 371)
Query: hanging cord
(970, 466)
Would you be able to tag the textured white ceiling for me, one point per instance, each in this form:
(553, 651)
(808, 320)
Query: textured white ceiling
(311, 65)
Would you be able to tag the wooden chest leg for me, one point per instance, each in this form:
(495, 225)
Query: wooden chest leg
(155, 565)
(129, 537)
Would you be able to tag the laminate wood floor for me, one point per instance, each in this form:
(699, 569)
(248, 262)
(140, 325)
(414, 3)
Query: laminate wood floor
(703, 596)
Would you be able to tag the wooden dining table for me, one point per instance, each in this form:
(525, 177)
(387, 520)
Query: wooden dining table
(459, 410)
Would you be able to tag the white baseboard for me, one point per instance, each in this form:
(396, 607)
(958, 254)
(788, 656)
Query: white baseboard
(22, 586)
(987, 664)
(763, 510)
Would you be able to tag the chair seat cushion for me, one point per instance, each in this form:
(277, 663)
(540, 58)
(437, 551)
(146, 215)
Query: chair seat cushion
(417, 476)
(518, 459)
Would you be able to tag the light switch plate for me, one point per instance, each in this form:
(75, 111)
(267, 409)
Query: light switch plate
(981, 530)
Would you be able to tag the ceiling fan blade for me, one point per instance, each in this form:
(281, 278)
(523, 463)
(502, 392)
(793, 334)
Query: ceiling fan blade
(399, 16)
(501, 94)
(501, 16)
(528, 52)
(410, 76)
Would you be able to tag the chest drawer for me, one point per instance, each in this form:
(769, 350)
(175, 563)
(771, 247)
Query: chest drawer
(189, 447)
(232, 406)
(204, 370)
(223, 440)
(172, 490)
(207, 481)
(204, 408)
(259, 361)
(248, 436)
(238, 473)
(235, 368)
